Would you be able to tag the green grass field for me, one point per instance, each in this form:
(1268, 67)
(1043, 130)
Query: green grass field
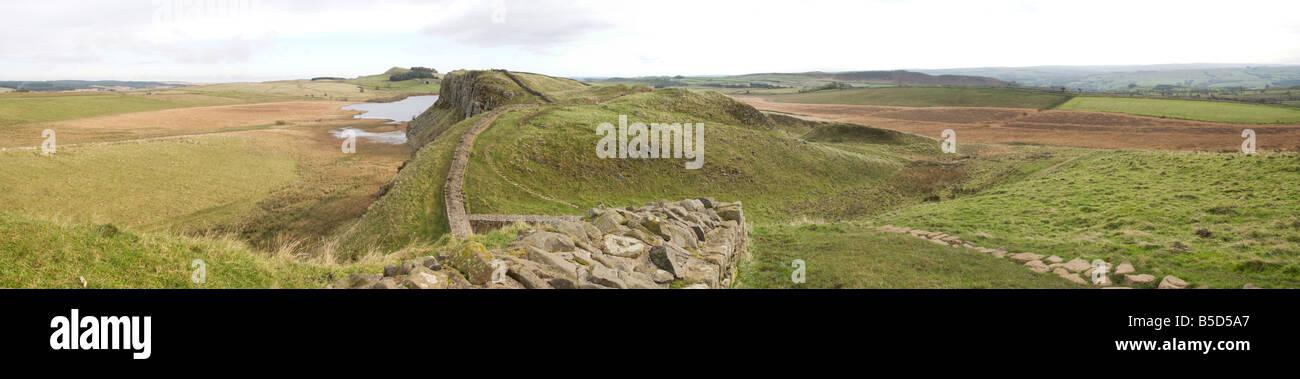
(137, 184)
(850, 256)
(1187, 109)
(15, 109)
(929, 97)
(1235, 215)
(738, 160)
(381, 83)
(42, 254)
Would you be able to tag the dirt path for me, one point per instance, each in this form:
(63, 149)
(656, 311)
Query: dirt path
(1052, 127)
(457, 214)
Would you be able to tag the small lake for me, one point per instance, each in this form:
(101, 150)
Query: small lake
(398, 111)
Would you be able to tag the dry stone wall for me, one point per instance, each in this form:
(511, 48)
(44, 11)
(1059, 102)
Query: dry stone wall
(693, 243)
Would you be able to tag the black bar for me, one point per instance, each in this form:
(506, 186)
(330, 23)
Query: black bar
(353, 327)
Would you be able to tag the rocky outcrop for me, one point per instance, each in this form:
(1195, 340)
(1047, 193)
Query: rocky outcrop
(463, 94)
(694, 243)
(1171, 282)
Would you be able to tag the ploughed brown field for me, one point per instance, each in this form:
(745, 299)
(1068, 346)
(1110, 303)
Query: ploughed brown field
(1051, 127)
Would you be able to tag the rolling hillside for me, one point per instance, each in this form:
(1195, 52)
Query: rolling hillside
(810, 80)
(540, 159)
(1108, 78)
(51, 255)
(1222, 220)
(929, 97)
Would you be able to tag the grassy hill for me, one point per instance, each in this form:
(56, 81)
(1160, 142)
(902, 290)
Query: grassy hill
(413, 210)
(552, 150)
(808, 80)
(1221, 220)
(1249, 77)
(43, 254)
(27, 108)
(811, 191)
(69, 85)
(1110, 78)
(929, 97)
(542, 160)
(851, 256)
(382, 83)
(1187, 109)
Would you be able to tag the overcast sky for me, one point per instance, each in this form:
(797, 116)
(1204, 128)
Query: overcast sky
(236, 40)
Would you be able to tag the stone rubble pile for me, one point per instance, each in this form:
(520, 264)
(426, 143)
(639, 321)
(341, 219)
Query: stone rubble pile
(1075, 270)
(694, 243)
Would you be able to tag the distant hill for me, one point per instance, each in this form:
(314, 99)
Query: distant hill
(1120, 77)
(811, 80)
(904, 78)
(72, 85)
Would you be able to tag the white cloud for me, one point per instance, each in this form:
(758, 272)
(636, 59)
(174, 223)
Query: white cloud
(625, 37)
(536, 25)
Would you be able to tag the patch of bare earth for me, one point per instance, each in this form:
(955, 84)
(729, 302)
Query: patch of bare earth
(1053, 127)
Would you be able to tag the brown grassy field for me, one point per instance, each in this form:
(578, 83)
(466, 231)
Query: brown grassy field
(204, 171)
(172, 122)
(1051, 127)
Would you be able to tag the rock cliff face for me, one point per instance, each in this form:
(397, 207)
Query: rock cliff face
(464, 94)
(693, 243)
